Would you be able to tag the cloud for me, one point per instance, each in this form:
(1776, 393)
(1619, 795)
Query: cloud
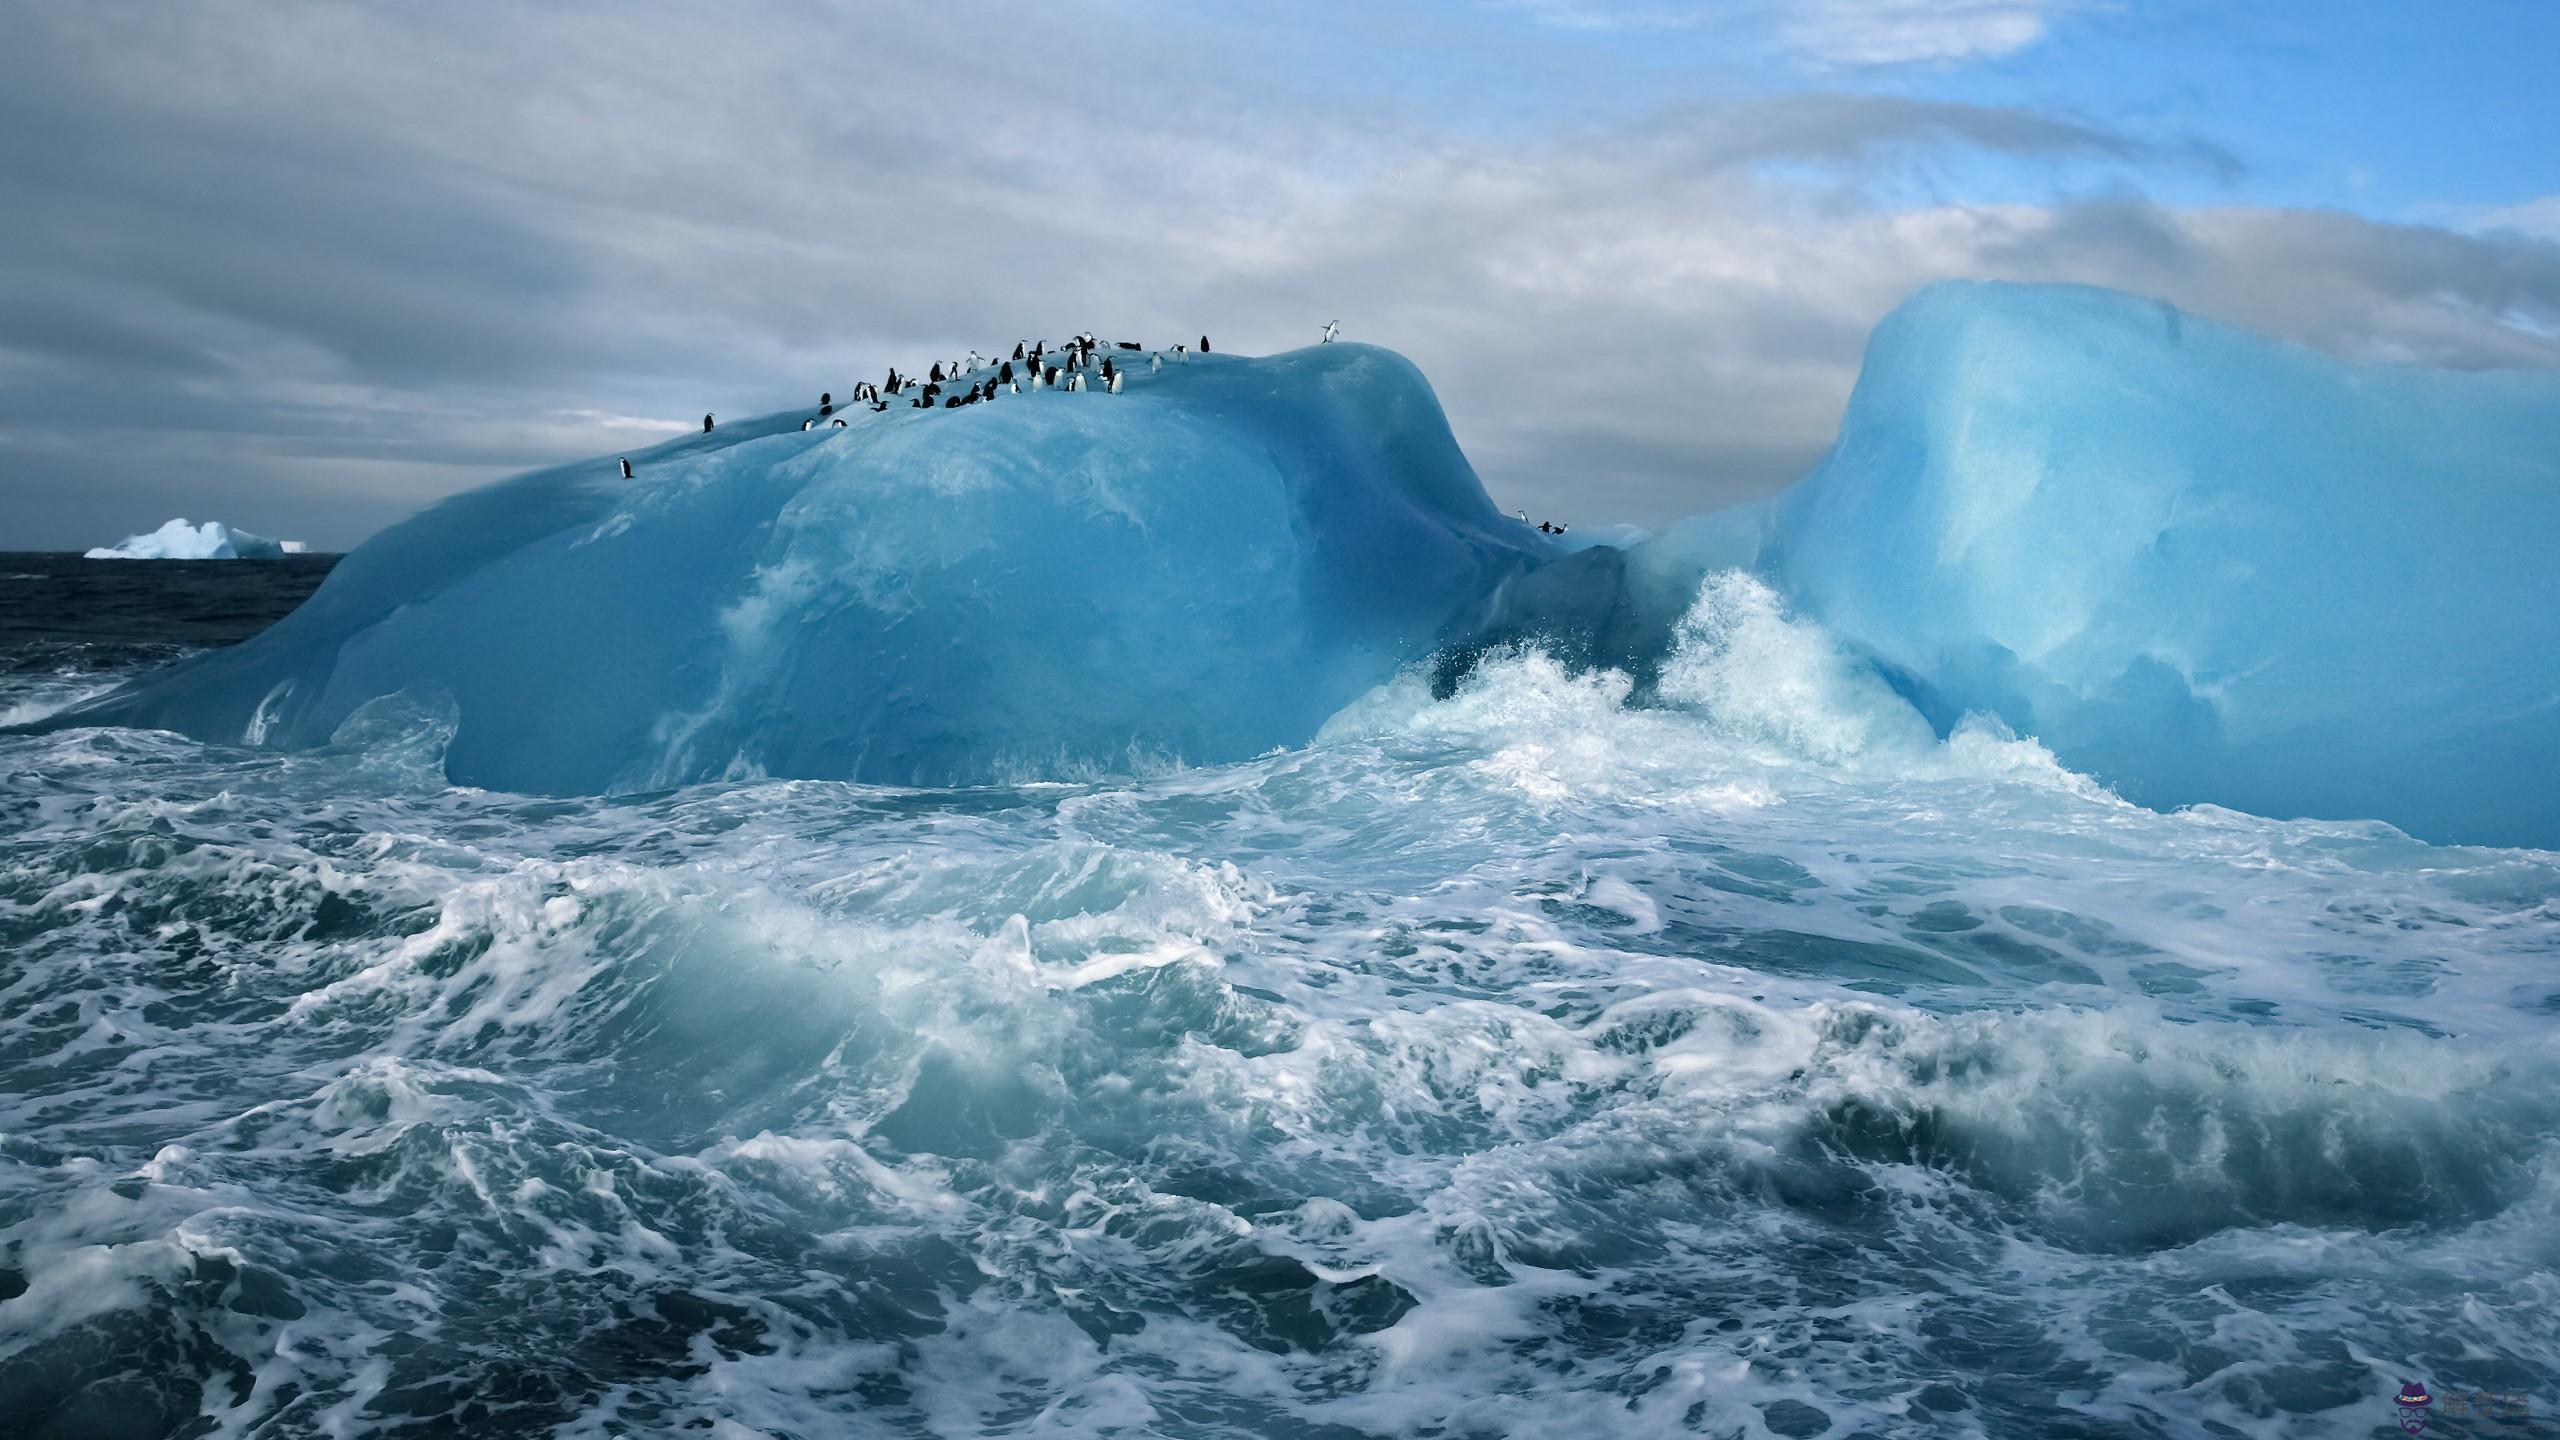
(303, 267)
(1913, 32)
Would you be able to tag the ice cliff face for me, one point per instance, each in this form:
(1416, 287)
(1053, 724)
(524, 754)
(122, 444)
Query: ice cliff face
(2197, 564)
(1201, 568)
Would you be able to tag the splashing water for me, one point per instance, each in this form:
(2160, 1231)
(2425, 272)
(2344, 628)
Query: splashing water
(1742, 1062)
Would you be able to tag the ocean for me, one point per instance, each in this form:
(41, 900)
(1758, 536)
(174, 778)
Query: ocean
(1515, 1059)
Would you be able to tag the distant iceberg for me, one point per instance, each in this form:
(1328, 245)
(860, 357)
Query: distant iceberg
(211, 540)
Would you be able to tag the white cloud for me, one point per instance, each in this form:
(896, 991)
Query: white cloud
(1909, 32)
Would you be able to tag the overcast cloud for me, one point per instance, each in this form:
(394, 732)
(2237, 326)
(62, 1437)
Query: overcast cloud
(305, 267)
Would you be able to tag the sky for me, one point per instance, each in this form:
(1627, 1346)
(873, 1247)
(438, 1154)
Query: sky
(306, 267)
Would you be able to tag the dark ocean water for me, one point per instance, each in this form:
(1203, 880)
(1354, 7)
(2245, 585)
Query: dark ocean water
(1516, 1062)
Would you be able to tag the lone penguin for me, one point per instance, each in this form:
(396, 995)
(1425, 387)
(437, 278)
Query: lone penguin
(1204, 344)
(1330, 326)
(626, 469)
(706, 424)
(1155, 362)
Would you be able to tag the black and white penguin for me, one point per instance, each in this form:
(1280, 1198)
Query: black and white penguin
(1330, 326)
(1131, 345)
(805, 424)
(826, 397)
(1114, 386)
(1107, 372)
(936, 372)
(826, 410)
(1052, 378)
(1155, 363)
(1204, 344)
(626, 469)
(878, 407)
(706, 424)
(1017, 349)
(1004, 372)
(839, 422)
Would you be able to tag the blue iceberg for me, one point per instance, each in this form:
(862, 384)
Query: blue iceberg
(1043, 585)
(2197, 564)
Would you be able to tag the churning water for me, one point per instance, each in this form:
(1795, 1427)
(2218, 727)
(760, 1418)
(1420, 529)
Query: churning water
(1524, 1060)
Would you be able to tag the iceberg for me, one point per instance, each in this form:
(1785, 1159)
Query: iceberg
(1046, 585)
(2199, 565)
(211, 540)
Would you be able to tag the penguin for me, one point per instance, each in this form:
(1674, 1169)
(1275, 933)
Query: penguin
(1330, 326)
(706, 424)
(826, 397)
(1075, 382)
(1181, 351)
(1155, 362)
(805, 424)
(626, 469)
(975, 360)
(1114, 386)
(1017, 350)
(826, 410)
(878, 407)
(1204, 344)
(1560, 529)
(1053, 376)
(936, 372)
(1004, 372)
(1107, 372)
(1012, 387)
(1131, 345)
(839, 422)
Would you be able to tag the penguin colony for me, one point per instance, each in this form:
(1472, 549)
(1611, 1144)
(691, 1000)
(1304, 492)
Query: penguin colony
(1078, 365)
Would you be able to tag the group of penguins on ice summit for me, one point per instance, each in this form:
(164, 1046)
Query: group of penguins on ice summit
(1076, 361)
(1038, 371)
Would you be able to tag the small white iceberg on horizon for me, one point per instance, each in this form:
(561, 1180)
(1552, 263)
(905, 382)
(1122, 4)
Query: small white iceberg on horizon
(211, 540)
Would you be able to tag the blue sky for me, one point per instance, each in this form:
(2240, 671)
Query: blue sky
(303, 267)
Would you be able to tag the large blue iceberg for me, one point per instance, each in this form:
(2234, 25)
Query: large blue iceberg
(2200, 564)
(2197, 564)
(1047, 584)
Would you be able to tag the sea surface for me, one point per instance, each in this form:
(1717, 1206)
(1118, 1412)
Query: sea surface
(1517, 1061)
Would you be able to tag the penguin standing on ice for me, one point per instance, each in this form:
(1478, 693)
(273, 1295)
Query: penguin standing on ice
(626, 469)
(1017, 350)
(706, 424)
(826, 398)
(1204, 344)
(1155, 362)
(839, 422)
(1114, 386)
(805, 424)
(1004, 372)
(1110, 376)
(934, 374)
